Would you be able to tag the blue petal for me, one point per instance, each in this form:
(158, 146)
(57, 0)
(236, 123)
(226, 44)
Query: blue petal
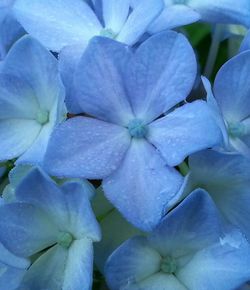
(226, 178)
(231, 88)
(26, 230)
(174, 16)
(193, 225)
(85, 147)
(17, 135)
(160, 75)
(223, 11)
(33, 64)
(223, 266)
(142, 186)
(99, 81)
(245, 45)
(186, 130)
(57, 23)
(132, 262)
(47, 272)
(68, 207)
(139, 20)
(79, 266)
(115, 13)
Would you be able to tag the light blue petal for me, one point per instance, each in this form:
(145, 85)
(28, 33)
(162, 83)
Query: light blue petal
(47, 272)
(16, 136)
(26, 230)
(174, 16)
(223, 11)
(99, 81)
(79, 266)
(231, 88)
(68, 207)
(85, 147)
(160, 74)
(191, 226)
(32, 63)
(12, 269)
(17, 99)
(69, 58)
(115, 229)
(142, 186)
(186, 130)
(241, 147)
(132, 262)
(223, 266)
(115, 13)
(226, 178)
(139, 20)
(57, 23)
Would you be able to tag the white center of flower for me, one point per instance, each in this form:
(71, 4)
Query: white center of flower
(65, 240)
(168, 265)
(107, 32)
(42, 117)
(137, 128)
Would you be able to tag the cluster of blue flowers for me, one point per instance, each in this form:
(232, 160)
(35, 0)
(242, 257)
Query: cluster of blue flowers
(119, 160)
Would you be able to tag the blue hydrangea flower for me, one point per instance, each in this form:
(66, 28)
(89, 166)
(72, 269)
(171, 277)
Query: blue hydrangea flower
(55, 226)
(181, 12)
(226, 178)
(189, 250)
(12, 269)
(128, 143)
(232, 102)
(66, 26)
(31, 101)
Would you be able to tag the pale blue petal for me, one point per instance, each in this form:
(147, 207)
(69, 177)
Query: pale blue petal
(12, 269)
(133, 261)
(115, 229)
(241, 147)
(57, 23)
(16, 136)
(99, 81)
(160, 75)
(139, 20)
(79, 266)
(85, 147)
(191, 226)
(223, 11)
(174, 16)
(226, 178)
(115, 13)
(223, 266)
(69, 58)
(68, 207)
(47, 272)
(32, 63)
(142, 186)
(26, 230)
(186, 130)
(231, 88)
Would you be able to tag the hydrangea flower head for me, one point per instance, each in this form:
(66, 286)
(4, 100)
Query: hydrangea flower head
(190, 249)
(128, 143)
(31, 101)
(54, 227)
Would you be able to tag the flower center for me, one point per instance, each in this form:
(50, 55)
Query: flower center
(237, 130)
(107, 32)
(65, 240)
(42, 117)
(137, 128)
(168, 265)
